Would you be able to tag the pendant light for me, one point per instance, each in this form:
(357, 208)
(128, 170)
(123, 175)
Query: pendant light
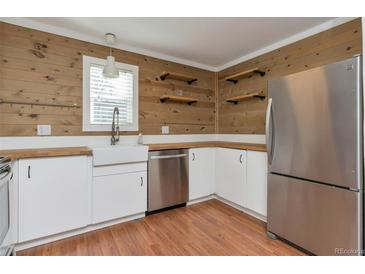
(110, 70)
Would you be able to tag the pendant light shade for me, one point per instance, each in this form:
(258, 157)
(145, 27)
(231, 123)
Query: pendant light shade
(110, 70)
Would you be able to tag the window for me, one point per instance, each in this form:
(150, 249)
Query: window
(101, 95)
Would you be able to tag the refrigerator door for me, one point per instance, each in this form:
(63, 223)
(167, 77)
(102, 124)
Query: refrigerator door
(322, 219)
(314, 129)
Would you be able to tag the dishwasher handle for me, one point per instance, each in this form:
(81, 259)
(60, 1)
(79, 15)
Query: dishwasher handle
(168, 156)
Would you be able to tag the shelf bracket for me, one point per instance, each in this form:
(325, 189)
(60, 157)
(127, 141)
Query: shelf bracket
(179, 77)
(244, 74)
(232, 81)
(163, 77)
(191, 81)
(262, 73)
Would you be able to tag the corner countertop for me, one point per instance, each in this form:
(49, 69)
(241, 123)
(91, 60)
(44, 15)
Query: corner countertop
(185, 145)
(16, 154)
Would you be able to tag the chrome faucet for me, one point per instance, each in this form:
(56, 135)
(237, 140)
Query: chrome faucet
(115, 127)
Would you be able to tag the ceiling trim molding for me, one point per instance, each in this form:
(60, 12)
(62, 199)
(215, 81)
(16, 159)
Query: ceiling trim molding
(29, 23)
(291, 39)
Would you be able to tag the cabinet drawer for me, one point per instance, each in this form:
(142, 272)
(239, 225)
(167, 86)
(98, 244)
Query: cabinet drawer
(119, 169)
(119, 195)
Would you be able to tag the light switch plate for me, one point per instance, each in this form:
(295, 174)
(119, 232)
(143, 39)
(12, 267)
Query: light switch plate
(165, 129)
(43, 130)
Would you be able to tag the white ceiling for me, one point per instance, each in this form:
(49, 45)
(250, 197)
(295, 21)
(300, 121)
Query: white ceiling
(210, 43)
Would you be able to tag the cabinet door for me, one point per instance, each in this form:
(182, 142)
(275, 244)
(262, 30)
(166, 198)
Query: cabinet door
(256, 186)
(231, 174)
(54, 196)
(119, 195)
(201, 172)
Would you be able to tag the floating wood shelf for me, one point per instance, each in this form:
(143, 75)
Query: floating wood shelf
(179, 77)
(240, 98)
(244, 74)
(39, 104)
(179, 99)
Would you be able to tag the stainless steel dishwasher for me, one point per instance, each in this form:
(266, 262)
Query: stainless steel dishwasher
(168, 178)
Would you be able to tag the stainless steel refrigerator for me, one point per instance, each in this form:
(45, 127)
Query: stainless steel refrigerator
(314, 131)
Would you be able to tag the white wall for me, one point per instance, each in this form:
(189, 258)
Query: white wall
(243, 138)
(97, 141)
(93, 141)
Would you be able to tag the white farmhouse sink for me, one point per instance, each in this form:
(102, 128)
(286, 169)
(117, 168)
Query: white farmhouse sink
(119, 154)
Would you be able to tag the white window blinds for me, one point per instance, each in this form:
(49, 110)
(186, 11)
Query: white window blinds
(101, 95)
(106, 94)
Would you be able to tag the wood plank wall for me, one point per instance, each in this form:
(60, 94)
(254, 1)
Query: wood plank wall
(40, 67)
(248, 117)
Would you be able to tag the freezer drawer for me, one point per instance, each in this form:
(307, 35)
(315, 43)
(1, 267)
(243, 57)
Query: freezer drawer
(322, 219)
(168, 178)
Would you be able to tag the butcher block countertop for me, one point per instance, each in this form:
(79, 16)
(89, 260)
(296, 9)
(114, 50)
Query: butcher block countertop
(16, 154)
(235, 145)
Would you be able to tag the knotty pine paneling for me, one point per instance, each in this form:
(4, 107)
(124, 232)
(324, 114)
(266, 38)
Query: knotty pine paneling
(39, 67)
(248, 117)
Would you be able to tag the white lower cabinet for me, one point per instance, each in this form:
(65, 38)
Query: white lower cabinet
(255, 189)
(59, 194)
(201, 172)
(241, 178)
(54, 196)
(118, 195)
(231, 174)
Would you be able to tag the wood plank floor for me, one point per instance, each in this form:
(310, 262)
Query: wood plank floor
(208, 228)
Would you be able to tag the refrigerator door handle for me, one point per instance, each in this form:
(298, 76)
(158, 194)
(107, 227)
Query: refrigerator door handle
(269, 135)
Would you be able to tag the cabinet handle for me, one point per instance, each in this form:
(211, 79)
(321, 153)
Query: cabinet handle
(241, 158)
(28, 172)
(141, 181)
(193, 156)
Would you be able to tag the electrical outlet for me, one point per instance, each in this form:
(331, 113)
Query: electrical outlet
(165, 129)
(43, 130)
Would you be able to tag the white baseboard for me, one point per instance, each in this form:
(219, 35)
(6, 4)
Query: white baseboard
(243, 209)
(200, 200)
(242, 138)
(240, 208)
(61, 236)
